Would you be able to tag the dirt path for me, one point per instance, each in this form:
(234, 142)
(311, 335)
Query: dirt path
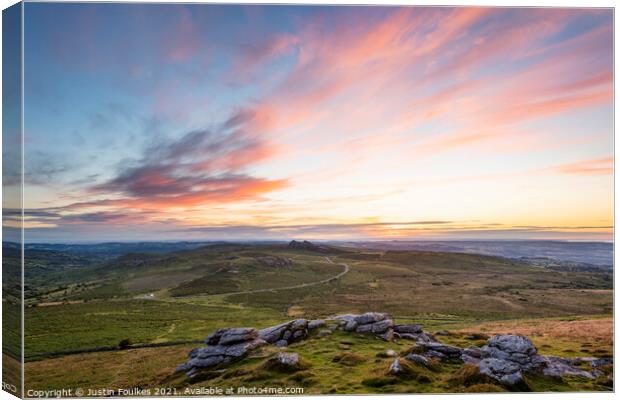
(344, 271)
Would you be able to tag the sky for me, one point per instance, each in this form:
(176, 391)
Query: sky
(215, 122)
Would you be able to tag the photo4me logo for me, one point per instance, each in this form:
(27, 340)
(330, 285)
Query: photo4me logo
(241, 391)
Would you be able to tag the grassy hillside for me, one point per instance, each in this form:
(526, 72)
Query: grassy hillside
(184, 295)
(342, 363)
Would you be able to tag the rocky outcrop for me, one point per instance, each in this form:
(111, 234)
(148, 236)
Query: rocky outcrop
(376, 323)
(308, 246)
(418, 359)
(315, 324)
(229, 336)
(284, 334)
(504, 358)
(225, 347)
(558, 367)
(396, 368)
(439, 350)
(275, 261)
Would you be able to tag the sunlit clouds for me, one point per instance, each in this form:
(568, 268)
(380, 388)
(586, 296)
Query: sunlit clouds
(336, 123)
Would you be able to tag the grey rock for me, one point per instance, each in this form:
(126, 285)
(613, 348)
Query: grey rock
(281, 343)
(497, 368)
(597, 373)
(344, 318)
(578, 360)
(242, 349)
(520, 358)
(467, 359)
(324, 332)
(183, 368)
(408, 336)
(558, 367)
(215, 336)
(425, 338)
(473, 351)
(299, 324)
(388, 335)
(391, 353)
(316, 323)
(434, 354)
(417, 359)
(273, 333)
(204, 352)
(408, 328)
(395, 367)
(370, 317)
(601, 362)
(538, 361)
(207, 362)
(288, 359)
(287, 335)
(382, 326)
(512, 379)
(450, 351)
(236, 335)
(350, 326)
(513, 344)
(366, 328)
(299, 334)
(494, 352)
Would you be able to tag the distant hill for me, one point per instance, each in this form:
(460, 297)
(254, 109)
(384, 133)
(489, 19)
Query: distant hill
(535, 252)
(111, 249)
(306, 245)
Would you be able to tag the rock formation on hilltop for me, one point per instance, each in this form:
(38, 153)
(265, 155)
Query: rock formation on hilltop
(504, 359)
(275, 261)
(306, 245)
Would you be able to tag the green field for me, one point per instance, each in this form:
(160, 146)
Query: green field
(180, 297)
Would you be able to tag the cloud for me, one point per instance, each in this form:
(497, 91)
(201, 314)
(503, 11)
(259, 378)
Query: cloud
(371, 82)
(377, 230)
(600, 166)
(258, 54)
(198, 168)
(330, 102)
(101, 217)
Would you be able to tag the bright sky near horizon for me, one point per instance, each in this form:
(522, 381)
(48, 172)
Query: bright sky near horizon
(166, 122)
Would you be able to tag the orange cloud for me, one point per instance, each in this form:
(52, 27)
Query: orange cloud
(600, 166)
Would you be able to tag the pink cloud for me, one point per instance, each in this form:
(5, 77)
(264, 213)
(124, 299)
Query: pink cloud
(600, 166)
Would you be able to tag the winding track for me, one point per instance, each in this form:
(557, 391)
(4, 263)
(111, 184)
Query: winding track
(344, 271)
(301, 285)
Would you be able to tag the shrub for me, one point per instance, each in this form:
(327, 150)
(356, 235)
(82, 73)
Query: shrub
(416, 349)
(273, 364)
(410, 370)
(380, 381)
(123, 344)
(305, 377)
(484, 388)
(469, 375)
(348, 358)
(477, 336)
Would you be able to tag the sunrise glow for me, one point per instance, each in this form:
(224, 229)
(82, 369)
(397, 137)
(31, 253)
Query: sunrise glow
(259, 123)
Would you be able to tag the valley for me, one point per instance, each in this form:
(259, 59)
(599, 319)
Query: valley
(155, 306)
